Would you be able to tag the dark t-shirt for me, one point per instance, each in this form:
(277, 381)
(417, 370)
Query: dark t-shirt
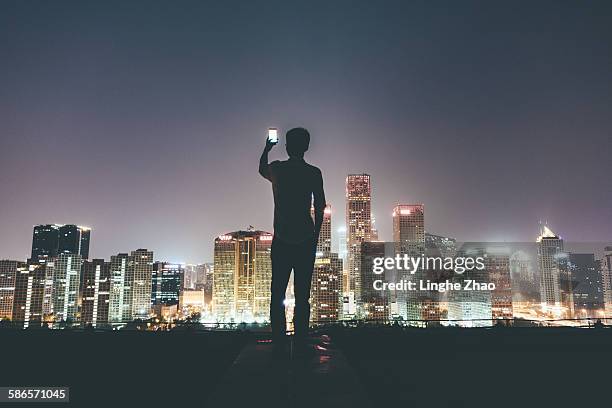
(294, 184)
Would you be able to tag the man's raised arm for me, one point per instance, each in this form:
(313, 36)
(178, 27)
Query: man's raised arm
(264, 167)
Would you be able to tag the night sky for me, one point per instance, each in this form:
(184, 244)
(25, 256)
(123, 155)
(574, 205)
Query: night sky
(145, 121)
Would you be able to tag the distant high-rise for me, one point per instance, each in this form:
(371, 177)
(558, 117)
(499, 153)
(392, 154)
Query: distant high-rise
(554, 294)
(167, 283)
(66, 286)
(359, 228)
(409, 239)
(95, 291)
(497, 263)
(587, 284)
(50, 240)
(374, 233)
(473, 308)
(29, 293)
(242, 276)
(8, 276)
(324, 243)
(120, 304)
(606, 272)
(141, 263)
(325, 293)
(374, 303)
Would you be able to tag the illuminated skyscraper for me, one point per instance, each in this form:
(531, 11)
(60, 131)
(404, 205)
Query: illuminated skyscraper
(167, 283)
(29, 292)
(497, 263)
(409, 239)
(141, 264)
(325, 293)
(130, 291)
(606, 276)
(50, 240)
(119, 308)
(242, 276)
(555, 290)
(8, 275)
(324, 243)
(66, 286)
(374, 234)
(359, 229)
(587, 285)
(472, 308)
(95, 290)
(374, 303)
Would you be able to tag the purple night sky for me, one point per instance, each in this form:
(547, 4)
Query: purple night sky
(145, 121)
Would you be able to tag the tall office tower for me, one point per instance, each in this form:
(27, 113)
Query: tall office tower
(342, 245)
(525, 285)
(555, 294)
(242, 276)
(29, 292)
(587, 285)
(437, 245)
(201, 273)
(66, 286)
(374, 302)
(8, 275)
(209, 270)
(325, 293)
(324, 243)
(409, 239)
(606, 272)
(497, 263)
(50, 240)
(359, 229)
(374, 233)
(167, 283)
(95, 291)
(191, 276)
(470, 308)
(120, 302)
(141, 264)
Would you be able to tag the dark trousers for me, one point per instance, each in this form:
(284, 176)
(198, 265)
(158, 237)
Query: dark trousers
(285, 257)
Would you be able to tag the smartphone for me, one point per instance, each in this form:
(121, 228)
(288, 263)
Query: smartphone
(273, 135)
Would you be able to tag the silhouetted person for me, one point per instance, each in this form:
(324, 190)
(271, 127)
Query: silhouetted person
(297, 186)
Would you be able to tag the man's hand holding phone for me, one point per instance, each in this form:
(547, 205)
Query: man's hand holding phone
(272, 138)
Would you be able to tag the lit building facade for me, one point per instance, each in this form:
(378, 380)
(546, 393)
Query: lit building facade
(119, 306)
(471, 308)
(167, 283)
(325, 237)
(8, 275)
(242, 276)
(374, 303)
(587, 285)
(29, 292)
(606, 274)
(95, 292)
(359, 229)
(141, 272)
(325, 292)
(497, 263)
(409, 239)
(66, 287)
(555, 281)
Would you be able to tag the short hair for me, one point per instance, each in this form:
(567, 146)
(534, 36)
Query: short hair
(298, 140)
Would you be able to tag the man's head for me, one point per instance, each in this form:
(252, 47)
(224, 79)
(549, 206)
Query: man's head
(298, 140)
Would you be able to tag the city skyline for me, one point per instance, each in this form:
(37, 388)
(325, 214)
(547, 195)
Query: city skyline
(494, 117)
